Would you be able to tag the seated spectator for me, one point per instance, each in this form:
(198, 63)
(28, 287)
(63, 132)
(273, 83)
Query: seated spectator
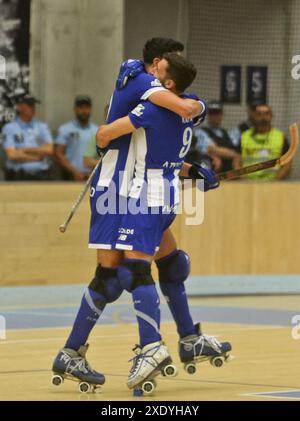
(27, 143)
(236, 133)
(72, 141)
(214, 141)
(264, 142)
(91, 156)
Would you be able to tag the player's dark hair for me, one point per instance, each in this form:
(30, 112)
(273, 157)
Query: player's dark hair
(157, 47)
(180, 70)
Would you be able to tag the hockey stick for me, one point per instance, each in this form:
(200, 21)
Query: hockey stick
(283, 160)
(63, 227)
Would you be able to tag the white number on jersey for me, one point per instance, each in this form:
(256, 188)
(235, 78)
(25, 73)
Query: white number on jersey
(187, 141)
(139, 110)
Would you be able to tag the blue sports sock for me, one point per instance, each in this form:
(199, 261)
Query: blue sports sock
(172, 268)
(87, 316)
(147, 308)
(178, 304)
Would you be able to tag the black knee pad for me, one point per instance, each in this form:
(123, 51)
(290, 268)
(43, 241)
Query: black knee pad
(106, 283)
(134, 274)
(174, 268)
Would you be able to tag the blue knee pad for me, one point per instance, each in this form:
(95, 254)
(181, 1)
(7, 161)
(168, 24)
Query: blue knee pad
(174, 268)
(133, 274)
(107, 284)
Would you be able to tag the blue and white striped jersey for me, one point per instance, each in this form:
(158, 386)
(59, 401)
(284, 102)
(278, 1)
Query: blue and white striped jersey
(161, 143)
(118, 163)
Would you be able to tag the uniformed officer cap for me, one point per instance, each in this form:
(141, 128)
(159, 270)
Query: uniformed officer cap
(215, 106)
(28, 99)
(82, 100)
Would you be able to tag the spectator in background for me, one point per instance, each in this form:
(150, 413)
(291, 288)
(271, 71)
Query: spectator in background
(91, 156)
(263, 142)
(2, 160)
(236, 133)
(72, 141)
(214, 141)
(27, 143)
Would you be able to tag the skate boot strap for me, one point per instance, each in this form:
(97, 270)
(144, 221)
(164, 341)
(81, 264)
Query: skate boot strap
(137, 349)
(83, 350)
(140, 352)
(151, 346)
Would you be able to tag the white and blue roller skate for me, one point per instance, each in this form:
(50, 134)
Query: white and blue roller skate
(197, 348)
(72, 365)
(152, 360)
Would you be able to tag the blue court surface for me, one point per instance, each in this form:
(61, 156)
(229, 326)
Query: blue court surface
(56, 306)
(292, 394)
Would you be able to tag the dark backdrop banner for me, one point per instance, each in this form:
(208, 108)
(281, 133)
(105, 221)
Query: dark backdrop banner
(14, 49)
(231, 84)
(257, 84)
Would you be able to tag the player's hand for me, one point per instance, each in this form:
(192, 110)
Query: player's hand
(101, 151)
(198, 172)
(129, 69)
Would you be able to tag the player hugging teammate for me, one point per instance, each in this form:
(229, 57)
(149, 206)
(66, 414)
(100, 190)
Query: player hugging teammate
(148, 134)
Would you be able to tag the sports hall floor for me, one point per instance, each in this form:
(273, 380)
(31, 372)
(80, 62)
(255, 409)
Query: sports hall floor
(266, 364)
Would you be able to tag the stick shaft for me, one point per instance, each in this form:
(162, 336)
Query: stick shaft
(79, 199)
(229, 175)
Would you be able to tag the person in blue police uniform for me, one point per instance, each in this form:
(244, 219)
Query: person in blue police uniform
(72, 141)
(27, 143)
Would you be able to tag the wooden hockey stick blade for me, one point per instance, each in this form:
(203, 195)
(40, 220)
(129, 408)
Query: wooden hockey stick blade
(283, 160)
(289, 155)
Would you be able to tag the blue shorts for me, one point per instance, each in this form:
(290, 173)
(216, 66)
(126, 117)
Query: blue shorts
(118, 229)
(106, 216)
(143, 232)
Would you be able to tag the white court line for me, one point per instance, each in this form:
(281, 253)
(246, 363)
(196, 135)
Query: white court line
(62, 305)
(265, 394)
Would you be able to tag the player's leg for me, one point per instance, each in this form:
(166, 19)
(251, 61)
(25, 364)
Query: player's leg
(104, 288)
(135, 276)
(174, 268)
(109, 258)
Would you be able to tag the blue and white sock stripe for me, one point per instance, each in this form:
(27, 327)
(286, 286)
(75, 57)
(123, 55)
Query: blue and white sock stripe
(148, 319)
(91, 303)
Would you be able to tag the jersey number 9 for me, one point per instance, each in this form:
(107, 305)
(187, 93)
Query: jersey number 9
(187, 141)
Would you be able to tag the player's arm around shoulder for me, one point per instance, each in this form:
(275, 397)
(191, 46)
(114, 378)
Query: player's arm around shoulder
(185, 107)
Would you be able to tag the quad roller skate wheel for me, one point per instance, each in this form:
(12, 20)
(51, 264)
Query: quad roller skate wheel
(217, 362)
(190, 368)
(84, 387)
(170, 371)
(148, 387)
(57, 380)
